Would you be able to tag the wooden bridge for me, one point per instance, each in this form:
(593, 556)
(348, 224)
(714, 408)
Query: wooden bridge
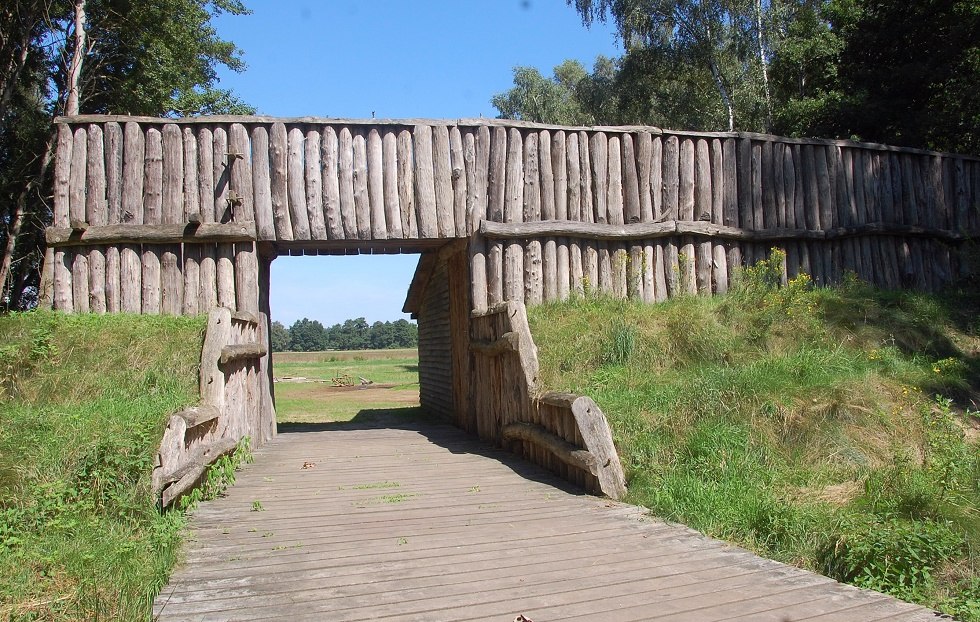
(362, 522)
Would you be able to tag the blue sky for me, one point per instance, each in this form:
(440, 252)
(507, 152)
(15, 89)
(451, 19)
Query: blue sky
(396, 59)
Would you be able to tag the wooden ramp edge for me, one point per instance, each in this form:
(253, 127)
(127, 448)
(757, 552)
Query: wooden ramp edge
(353, 522)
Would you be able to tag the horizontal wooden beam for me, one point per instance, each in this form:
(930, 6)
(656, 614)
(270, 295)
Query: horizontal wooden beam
(669, 228)
(244, 316)
(230, 354)
(560, 448)
(507, 343)
(197, 415)
(185, 476)
(151, 234)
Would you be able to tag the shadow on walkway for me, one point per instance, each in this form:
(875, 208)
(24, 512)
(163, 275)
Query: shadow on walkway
(439, 432)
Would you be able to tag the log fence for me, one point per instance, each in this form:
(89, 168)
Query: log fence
(565, 433)
(235, 403)
(167, 215)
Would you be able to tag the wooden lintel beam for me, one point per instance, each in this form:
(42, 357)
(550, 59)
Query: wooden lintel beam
(150, 234)
(230, 354)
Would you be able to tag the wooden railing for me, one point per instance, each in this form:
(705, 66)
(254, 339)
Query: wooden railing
(565, 433)
(235, 403)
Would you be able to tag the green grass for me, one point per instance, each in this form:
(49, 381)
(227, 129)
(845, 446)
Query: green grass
(797, 421)
(399, 369)
(83, 402)
(393, 372)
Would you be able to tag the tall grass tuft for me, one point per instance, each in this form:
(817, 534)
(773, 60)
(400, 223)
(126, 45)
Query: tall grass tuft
(794, 419)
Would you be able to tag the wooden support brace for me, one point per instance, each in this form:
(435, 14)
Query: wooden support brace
(184, 477)
(242, 351)
(560, 448)
(197, 415)
(508, 342)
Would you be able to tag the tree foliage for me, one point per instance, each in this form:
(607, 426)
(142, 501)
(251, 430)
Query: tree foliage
(900, 73)
(146, 57)
(356, 334)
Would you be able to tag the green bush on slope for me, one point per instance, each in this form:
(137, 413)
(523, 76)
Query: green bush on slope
(798, 421)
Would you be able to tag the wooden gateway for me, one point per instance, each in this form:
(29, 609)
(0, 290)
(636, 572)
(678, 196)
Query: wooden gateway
(181, 216)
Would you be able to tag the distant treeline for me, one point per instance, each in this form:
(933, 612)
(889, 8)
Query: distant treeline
(310, 336)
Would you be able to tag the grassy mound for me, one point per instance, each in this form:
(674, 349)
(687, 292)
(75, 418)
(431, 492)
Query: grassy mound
(83, 403)
(832, 428)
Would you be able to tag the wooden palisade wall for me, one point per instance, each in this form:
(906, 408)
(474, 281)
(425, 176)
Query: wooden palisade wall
(634, 211)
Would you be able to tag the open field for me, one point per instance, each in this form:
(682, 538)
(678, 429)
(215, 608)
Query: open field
(393, 375)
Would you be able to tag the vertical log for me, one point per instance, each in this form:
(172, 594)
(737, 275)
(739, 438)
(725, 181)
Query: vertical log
(79, 278)
(314, 186)
(112, 279)
(730, 209)
(549, 251)
(172, 212)
(132, 192)
(644, 155)
(240, 174)
(265, 226)
(826, 208)
(586, 213)
(63, 294)
(406, 184)
(458, 176)
(205, 172)
(375, 179)
(442, 179)
(96, 207)
(114, 171)
(477, 153)
(789, 194)
(657, 187)
(614, 198)
(765, 177)
(225, 274)
(296, 186)
(573, 158)
(719, 263)
(246, 278)
(533, 277)
(330, 190)
(425, 188)
(671, 207)
(686, 213)
(392, 209)
(514, 212)
(208, 291)
(497, 182)
(152, 214)
(702, 212)
(599, 159)
(192, 279)
(76, 184)
(62, 175)
(279, 192)
(96, 280)
(222, 175)
(192, 197)
(130, 279)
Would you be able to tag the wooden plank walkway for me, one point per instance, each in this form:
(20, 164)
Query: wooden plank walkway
(352, 522)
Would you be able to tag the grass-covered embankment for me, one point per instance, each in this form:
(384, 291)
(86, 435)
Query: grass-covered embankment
(83, 403)
(800, 422)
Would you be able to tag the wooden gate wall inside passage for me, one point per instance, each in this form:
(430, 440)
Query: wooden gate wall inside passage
(178, 216)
